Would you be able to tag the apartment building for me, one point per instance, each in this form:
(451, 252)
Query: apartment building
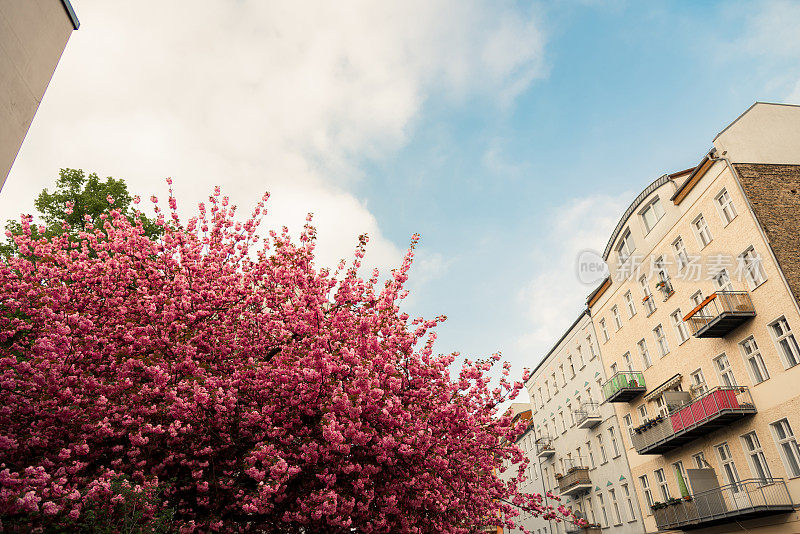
(33, 35)
(698, 326)
(574, 442)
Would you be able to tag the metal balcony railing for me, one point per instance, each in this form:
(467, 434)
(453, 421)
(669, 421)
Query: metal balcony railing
(733, 502)
(624, 386)
(544, 447)
(575, 482)
(588, 415)
(712, 410)
(720, 313)
(574, 529)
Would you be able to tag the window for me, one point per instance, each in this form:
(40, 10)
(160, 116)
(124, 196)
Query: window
(681, 257)
(628, 362)
(625, 247)
(541, 399)
(643, 412)
(723, 281)
(679, 326)
(603, 509)
(614, 446)
(571, 367)
(563, 422)
(604, 330)
(614, 506)
(661, 479)
(591, 454)
(547, 389)
(700, 460)
(617, 318)
(652, 213)
(755, 363)
(723, 367)
(786, 342)
(647, 494)
(661, 340)
(629, 304)
(555, 383)
(647, 296)
(725, 206)
(787, 445)
(750, 264)
(663, 409)
(758, 463)
(602, 448)
(563, 376)
(614, 368)
(629, 499)
(702, 231)
(697, 298)
(678, 466)
(728, 467)
(644, 354)
(699, 382)
(628, 423)
(592, 353)
(580, 352)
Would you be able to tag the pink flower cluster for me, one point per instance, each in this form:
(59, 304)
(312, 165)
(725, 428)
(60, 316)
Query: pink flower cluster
(263, 392)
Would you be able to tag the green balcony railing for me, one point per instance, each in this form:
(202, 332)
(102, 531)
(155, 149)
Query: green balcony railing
(624, 386)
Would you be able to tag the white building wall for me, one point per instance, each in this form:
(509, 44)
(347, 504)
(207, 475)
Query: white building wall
(577, 353)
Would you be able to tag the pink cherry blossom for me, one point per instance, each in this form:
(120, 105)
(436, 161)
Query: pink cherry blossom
(248, 387)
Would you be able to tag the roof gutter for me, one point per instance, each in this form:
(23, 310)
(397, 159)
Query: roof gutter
(71, 14)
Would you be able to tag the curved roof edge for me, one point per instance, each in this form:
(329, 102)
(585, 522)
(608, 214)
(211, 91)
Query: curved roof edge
(658, 182)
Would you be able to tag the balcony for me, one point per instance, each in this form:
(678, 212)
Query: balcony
(544, 447)
(714, 409)
(624, 386)
(576, 482)
(734, 502)
(588, 529)
(720, 313)
(588, 415)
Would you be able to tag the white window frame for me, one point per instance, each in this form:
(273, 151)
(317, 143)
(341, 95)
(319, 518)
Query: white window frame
(698, 380)
(616, 316)
(630, 304)
(663, 485)
(728, 466)
(727, 211)
(752, 265)
(661, 340)
(724, 373)
(656, 210)
(644, 353)
(647, 296)
(785, 342)
(753, 360)
(681, 256)
(755, 456)
(787, 446)
(615, 505)
(723, 280)
(629, 499)
(680, 326)
(604, 329)
(701, 231)
(614, 444)
(648, 494)
(625, 247)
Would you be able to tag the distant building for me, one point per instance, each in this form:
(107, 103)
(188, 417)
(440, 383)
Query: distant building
(33, 34)
(574, 443)
(698, 325)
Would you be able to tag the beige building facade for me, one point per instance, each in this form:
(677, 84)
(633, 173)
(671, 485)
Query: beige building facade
(33, 35)
(699, 330)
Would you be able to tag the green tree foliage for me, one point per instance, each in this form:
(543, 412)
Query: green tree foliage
(75, 196)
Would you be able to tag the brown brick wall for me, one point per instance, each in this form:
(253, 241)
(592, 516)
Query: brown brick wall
(774, 192)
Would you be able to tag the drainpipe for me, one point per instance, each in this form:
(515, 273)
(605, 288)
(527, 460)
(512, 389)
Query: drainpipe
(714, 156)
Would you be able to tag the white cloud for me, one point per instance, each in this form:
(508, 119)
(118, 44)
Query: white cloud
(288, 97)
(554, 296)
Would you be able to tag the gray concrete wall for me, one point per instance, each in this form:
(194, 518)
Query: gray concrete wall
(33, 34)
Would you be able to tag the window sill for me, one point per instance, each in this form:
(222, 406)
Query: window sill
(582, 367)
(615, 457)
(684, 341)
(759, 285)
(652, 312)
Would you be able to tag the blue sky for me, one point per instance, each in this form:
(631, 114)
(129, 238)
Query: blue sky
(511, 135)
